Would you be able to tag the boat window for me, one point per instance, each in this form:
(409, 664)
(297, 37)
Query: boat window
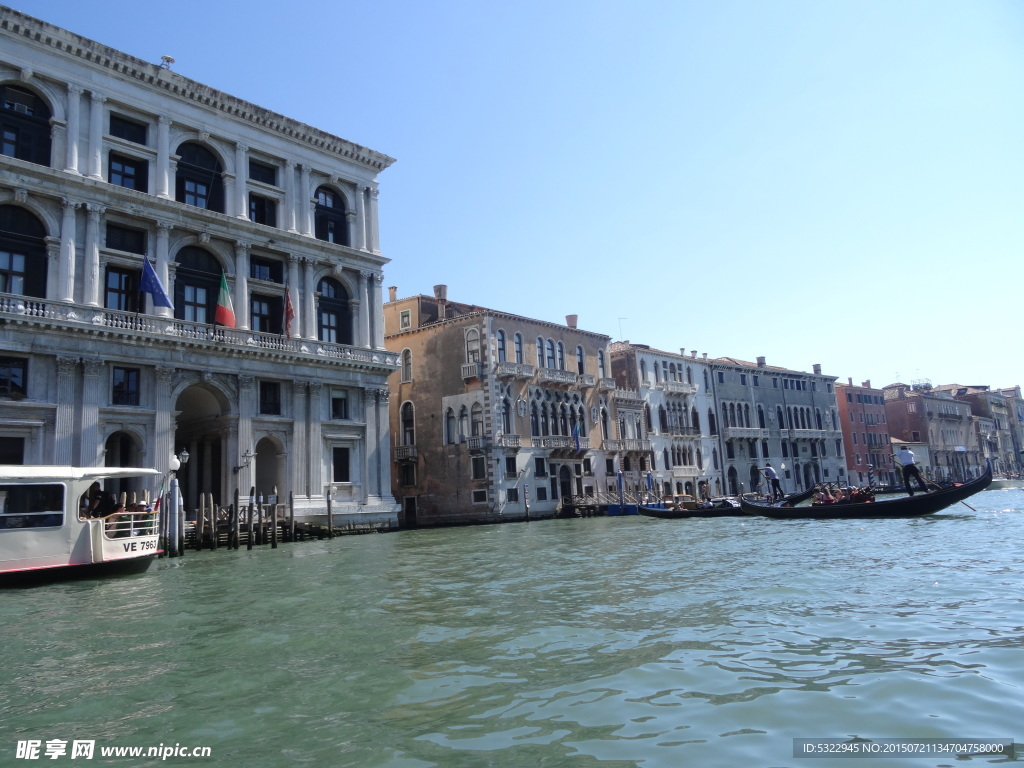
(31, 506)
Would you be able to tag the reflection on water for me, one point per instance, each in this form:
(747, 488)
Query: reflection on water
(598, 642)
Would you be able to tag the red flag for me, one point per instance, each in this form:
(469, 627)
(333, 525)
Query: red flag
(225, 312)
(289, 311)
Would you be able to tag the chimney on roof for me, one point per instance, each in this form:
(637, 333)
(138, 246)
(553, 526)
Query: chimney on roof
(705, 355)
(441, 294)
(693, 352)
(571, 320)
(392, 293)
(760, 362)
(866, 384)
(817, 369)
(849, 379)
(682, 351)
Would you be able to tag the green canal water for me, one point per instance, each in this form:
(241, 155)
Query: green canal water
(597, 642)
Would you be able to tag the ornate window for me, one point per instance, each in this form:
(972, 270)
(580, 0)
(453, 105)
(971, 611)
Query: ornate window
(406, 365)
(472, 346)
(199, 178)
(517, 341)
(408, 424)
(196, 285)
(23, 261)
(24, 125)
(502, 346)
(334, 319)
(329, 217)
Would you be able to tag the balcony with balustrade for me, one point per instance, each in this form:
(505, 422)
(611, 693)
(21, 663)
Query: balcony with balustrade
(45, 315)
(472, 371)
(628, 446)
(606, 384)
(745, 433)
(507, 370)
(555, 376)
(676, 388)
(406, 453)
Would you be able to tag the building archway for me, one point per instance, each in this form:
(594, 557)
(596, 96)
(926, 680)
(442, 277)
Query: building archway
(269, 469)
(204, 424)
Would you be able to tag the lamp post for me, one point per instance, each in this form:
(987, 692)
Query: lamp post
(246, 460)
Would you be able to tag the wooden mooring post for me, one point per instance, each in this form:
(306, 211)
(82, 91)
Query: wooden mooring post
(252, 494)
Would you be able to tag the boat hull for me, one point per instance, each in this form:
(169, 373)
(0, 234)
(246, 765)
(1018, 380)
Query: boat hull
(32, 577)
(919, 505)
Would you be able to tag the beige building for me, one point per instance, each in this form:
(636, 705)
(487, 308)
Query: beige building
(116, 174)
(495, 416)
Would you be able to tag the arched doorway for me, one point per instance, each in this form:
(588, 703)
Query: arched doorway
(269, 463)
(755, 479)
(203, 427)
(732, 478)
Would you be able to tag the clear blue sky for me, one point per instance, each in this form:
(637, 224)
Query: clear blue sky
(815, 182)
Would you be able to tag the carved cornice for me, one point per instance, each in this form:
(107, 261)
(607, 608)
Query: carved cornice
(33, 31)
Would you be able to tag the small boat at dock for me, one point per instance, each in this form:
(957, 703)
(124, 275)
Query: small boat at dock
(48, 531)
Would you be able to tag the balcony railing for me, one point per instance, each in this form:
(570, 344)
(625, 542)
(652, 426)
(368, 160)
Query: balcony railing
(586, 380)
(747, 433)
(478, 443)
(606, 384)
(506, 370)
(405, 452)
(628, 446)
(561, 442)
(45, 313)
(555, 376)
(681, 431)
(676, 387)
(472, 370)
(508, 441)
(629, 397)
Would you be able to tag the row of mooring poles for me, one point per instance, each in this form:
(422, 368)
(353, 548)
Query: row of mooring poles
(172, 521)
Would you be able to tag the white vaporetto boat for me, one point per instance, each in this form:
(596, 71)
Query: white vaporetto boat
(47, 533)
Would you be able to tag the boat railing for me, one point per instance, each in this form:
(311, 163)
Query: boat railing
(128, 524)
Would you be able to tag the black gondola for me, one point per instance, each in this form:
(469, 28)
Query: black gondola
(789, 501)
(907, 506)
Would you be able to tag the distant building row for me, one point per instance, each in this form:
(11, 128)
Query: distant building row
(496, 416)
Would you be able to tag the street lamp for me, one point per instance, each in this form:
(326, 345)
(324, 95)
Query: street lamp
(246, 460)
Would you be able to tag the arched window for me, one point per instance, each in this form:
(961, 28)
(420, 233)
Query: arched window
(472, 346)
(643, 372)
(551, 353)
(477, 420)
(561, 356)
(506, 416)
(760, 416)
(406, 365)
(689, 375)
(712, 427)
(451, 431)
(502, 346)
(534, 420)
(196, 285)
(580, 361)
(817, 417)
(778, 416)
(695, 420)
(604, 423)
(563, 421)
(329, 221)
(540, 352)
(408, 424)
(463, 423)
(333, 314)
(662, 418)
(23, 261)
(24, 125)
(199, 179)
(517, 340)
(600, 364)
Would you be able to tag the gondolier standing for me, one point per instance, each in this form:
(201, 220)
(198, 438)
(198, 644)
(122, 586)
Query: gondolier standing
(905, 457)
(773, 480)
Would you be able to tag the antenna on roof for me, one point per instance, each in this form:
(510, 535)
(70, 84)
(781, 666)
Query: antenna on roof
(166, 61)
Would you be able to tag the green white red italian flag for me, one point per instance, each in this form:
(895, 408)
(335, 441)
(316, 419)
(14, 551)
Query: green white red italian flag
(225, 312)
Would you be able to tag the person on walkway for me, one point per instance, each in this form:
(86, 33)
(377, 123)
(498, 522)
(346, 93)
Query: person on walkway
(906, 459)
(773, 481)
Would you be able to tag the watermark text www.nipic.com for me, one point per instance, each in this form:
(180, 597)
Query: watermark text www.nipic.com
(86, 749)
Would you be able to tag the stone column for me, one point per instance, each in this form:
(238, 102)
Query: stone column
(300, 459)
(359, 240)
(314, 480)
(289, 196)
(163, 158)
(383, 448)
(353, 312)
(366, 312)
(64, 447)
(91, 287)
(73, 128)
(291, 287)
(66, 265)
(93, 393)
(53, 265)
(96, 136)
(241, 299)
(304, 202)
(241, 174)
(163, 434)
(373, 237)
(351, 228)
(371, 477)
(246, 410)
(308, 301)
(163, 231)
(376, 311)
